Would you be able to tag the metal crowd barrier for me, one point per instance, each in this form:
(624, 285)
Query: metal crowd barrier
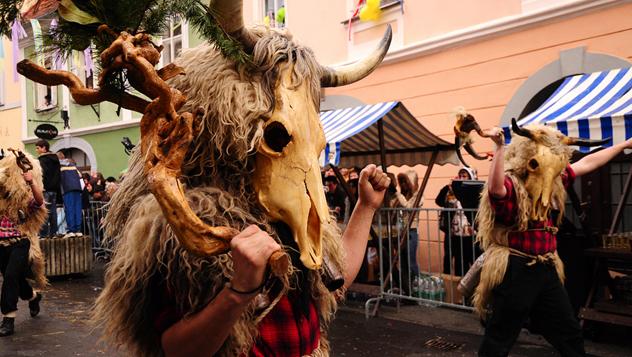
(422, 265)
(93, 218)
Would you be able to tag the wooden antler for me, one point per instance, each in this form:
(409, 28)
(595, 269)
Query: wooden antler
(165, 134)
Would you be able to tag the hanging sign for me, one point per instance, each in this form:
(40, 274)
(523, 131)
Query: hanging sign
(46, 131)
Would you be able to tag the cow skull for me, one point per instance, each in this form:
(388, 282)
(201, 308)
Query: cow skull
(545, 166)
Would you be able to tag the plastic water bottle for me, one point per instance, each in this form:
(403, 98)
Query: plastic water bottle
(441, 290)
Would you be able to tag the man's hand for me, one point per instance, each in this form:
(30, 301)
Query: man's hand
(372, 186)
(251, 250)
(497, 136)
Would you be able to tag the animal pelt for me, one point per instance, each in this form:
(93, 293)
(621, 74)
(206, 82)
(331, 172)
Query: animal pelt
(148, 261)
(15, 196)
(492, 235)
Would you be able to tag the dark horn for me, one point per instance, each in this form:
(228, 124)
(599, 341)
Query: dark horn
(585, 142)
(229, 15)
(457, 147)
(470, 150)
(340, 76)
(521, 131)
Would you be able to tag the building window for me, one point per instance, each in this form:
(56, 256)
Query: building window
(45, 96)
(274, 13)
(173, 41)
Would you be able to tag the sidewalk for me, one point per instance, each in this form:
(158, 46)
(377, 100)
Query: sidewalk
(467, 322)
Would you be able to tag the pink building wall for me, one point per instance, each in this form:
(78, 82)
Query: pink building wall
(481, 74)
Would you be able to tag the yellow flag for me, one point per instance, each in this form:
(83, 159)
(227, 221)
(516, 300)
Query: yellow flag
(70, 12)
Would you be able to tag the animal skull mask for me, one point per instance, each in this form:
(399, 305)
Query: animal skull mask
(550, 156)
(287, 176)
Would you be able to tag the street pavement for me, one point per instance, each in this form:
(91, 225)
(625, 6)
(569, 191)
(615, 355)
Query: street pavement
(62, 329)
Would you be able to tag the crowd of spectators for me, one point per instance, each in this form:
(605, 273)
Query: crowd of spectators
(66, 186)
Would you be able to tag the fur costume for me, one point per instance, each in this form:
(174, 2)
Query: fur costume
(218, 177)
(492, 235)
(15, 195)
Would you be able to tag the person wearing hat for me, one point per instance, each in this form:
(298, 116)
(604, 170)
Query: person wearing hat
(458, 244)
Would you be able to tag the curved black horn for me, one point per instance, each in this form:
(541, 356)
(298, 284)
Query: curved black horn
(585, 142)
(229, 15)
(521, 131)
(335, 77)
(457, 148)
(470, 150)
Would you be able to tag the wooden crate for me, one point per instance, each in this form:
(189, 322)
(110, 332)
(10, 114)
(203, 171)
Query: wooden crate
(67, 255)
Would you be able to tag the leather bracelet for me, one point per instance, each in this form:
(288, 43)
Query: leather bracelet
(230, 287)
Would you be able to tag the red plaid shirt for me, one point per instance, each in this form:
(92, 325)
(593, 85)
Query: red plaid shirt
(534, 241)
(285, 332)
(9, 230)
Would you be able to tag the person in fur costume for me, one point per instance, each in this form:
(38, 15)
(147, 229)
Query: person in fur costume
(252, 166)
(522, 274)
(22, 214)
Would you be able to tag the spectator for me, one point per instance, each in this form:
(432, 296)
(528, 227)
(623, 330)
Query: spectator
(406, 198)
(458, 243)
(335, 195)
(354, 176)
(71, 184)
(110, 188)
(51, 175)
(98, 186)
(86, 193)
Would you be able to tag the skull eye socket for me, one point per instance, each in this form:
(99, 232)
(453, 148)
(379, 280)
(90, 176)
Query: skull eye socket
(276, 136)
(533, 164)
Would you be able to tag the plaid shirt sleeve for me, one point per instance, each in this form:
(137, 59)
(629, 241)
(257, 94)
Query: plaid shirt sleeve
(568, 176)
(505, 208)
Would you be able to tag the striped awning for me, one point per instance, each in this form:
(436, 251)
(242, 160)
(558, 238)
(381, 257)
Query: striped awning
(353, 138)
(591, 106)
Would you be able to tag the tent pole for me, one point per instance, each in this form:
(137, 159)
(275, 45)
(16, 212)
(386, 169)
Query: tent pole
(402, 239)
(352, 197)
(380, 130)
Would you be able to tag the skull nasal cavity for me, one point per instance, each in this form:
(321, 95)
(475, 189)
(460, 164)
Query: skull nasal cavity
(533, 164)
(276, 136)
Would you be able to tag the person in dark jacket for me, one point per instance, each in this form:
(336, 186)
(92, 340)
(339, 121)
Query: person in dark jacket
(51, 175)
(71, 185)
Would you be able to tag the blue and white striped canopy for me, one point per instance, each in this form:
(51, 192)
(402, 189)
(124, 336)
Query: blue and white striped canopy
(591, 106)
(353, 139)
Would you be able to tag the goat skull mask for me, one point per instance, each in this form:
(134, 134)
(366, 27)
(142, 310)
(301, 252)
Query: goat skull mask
(287, 175)
(543, 168)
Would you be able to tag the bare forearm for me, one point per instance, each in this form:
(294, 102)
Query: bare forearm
(204, 333)
(37, 194)
(354, 240)
(594, 161)
(497, 174)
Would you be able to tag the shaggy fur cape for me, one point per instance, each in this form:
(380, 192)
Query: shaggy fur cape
(16, 195)
(148, 260)
(493, 235)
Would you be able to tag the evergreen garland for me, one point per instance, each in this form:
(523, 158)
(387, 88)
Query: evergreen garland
(133, 16)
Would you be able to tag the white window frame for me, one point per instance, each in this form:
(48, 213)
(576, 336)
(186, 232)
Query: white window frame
(40, 91)
(183, 36)
(277, 5)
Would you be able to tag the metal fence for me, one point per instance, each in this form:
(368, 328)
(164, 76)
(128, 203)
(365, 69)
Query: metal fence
(92, 225)
(422, 264)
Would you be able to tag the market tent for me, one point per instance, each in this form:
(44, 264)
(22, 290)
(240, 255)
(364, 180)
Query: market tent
(353, 137)
(591, 106)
